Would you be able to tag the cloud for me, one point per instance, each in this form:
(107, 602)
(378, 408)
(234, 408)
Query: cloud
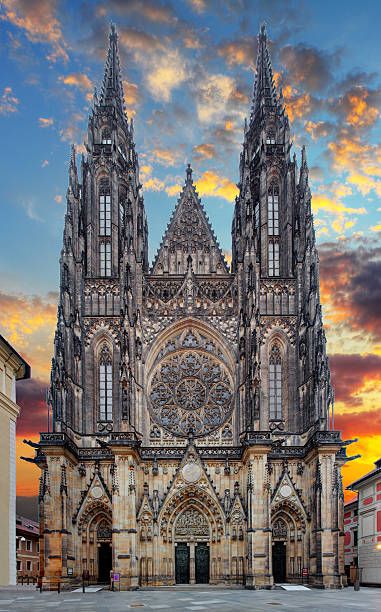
(154, 184)
(204, 151)
(44, 122)
(168, 157)
(318, 129)
(38, 19)
(72, 132)
(350, 372)
(154, 11)
(350, 281)
(77, 79)
(31, 397)
(163, 67)
(359, 106)
(212, 184)
(308, 66)
(8, 102)
(213, 95)
(58, 198)
(132, 97)
(173, 190)
(242, 51)
(28, 322)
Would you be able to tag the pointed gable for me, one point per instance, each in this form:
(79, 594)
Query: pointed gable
(189, 234)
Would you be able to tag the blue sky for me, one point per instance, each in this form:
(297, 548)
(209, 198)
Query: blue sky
(188, 70)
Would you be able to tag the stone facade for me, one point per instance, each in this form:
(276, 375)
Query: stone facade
(191, 401)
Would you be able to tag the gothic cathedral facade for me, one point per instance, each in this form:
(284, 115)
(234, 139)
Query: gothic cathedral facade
(191, 401)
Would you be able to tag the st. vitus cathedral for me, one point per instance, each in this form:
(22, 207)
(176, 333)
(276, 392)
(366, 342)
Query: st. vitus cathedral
(191, 440)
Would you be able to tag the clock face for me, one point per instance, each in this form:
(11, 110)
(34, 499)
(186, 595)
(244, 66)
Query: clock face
(190, 389)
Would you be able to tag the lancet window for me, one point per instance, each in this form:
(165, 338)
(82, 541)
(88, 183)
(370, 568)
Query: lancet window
(275, 383)
(104, 210)
(105, 385)
(105, 259)
(273, 253)
(273, 210)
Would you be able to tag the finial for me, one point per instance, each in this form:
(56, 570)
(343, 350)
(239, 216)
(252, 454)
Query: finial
(72, 155)
(95, 97)
(263, 29)
(189, 174)
(112, 29)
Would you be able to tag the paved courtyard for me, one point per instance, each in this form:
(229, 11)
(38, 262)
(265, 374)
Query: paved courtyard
(26, 598)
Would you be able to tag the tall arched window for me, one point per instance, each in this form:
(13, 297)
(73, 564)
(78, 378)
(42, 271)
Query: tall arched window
(105, 385)
(273, 253)
(273, 210)
(105, 259)
(104, 209)
(275, 387)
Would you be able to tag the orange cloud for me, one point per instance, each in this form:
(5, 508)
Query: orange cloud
(45, 122)
(29, 322)
(173, 190)
(77, 79)
(205, 151)
(39, 22)
(166, 157)
(213, 185)
(297, 104)
(154, 184)
(8, 102)
(241, 52)
(132, 97)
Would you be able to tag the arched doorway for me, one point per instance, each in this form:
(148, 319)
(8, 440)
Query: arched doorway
(288, 542)
(192, 559)
(279, 550)
(104, 551)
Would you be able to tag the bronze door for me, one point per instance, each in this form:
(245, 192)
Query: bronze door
(182, 564)
(202, 564)
(279, 562)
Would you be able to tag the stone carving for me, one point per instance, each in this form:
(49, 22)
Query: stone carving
(192, 523)
(280, 529)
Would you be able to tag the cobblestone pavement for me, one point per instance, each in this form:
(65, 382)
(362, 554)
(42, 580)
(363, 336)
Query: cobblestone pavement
(217, 600)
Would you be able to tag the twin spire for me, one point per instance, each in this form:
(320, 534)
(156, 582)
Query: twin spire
(264, 92)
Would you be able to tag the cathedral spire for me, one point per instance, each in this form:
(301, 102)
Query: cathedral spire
(112, 88)
(264, 92)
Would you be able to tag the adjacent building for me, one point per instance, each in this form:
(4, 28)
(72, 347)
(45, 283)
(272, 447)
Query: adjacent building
(368, 553)
(350, 538)
(190, 400)
(12, 368)
(27, 548)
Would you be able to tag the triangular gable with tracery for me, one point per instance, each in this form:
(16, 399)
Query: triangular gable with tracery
(189, 234)
(97, 491)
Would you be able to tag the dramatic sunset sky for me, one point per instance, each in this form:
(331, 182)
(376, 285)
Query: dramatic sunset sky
(188, 69)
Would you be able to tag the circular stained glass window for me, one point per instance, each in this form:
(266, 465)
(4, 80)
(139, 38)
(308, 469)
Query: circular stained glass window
(190, 392)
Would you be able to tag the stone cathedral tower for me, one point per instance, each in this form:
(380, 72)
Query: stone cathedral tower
(191, 438)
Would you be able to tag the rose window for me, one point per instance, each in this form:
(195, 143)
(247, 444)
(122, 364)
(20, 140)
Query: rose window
(190, 391)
